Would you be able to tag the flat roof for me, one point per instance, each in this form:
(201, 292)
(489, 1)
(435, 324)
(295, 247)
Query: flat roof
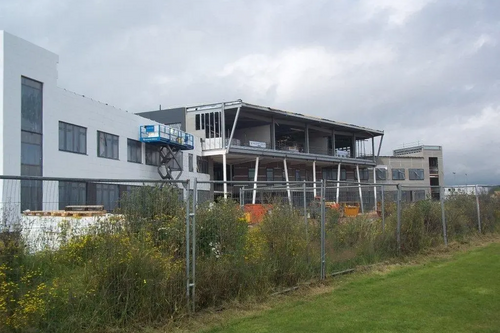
(310, 119)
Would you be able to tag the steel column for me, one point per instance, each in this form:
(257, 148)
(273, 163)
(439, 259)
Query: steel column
(254, 195)
(287, 182)
(360, 191)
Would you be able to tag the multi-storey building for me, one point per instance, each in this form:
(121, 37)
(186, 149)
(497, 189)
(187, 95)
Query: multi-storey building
(416, 166)
(246, 142)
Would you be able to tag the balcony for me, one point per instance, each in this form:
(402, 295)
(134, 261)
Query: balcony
(295, 150)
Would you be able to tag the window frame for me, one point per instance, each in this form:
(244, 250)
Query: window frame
(401, 172)
(114, 139)
(378, 174)
(414, 174)
(80, 188)
(138, 144)
(65, 148)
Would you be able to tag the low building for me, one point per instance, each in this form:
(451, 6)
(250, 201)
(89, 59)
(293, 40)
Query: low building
(419, 167)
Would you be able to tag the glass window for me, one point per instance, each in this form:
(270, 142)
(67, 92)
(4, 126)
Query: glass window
(381, 174)
(398, 174)
(134, 151)
(416, 174)
(191, 166)
(72, 193)
(297, 174)
(197, 121)
(107, 195)
(269, 174)
(107, 145)
(31, 194)
(31, 105)
(364, 174)
(72, 138)
(152, 155)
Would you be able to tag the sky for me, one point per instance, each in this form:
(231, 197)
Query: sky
(425, 72)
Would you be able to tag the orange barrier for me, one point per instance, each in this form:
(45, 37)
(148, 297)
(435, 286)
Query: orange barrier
(254, 213)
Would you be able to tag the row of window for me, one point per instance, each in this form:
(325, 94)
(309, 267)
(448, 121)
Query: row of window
(73, 138)
(400, 174)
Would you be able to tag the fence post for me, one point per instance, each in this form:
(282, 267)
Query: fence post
(443, 215)
(383, 209)
(193, 222)
(478, 211)
(305, 209)
(323, 262)
(398, 228)
(188, 277)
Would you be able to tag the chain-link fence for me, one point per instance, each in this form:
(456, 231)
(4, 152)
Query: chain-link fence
(84, 254)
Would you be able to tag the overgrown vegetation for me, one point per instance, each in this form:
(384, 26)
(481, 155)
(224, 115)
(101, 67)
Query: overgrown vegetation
(129, 270)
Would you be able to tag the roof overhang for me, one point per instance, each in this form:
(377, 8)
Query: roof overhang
(319, 123)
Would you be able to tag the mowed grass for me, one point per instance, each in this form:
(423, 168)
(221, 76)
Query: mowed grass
(457, 294)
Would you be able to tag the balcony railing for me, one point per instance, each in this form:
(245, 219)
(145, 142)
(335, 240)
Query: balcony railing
(216, 143)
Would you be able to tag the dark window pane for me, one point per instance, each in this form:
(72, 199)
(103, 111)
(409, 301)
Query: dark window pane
(134, 151)
(72, 193)
(107, 145)
(31, 105)
(72, 138)
(31, 195)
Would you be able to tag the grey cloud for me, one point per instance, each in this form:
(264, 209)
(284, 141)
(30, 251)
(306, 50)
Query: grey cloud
(418, 73)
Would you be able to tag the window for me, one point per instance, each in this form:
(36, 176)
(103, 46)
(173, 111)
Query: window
(31, 105)
(297, 174)
(107, 145)
(72, 138)
(381, 174)
(398, 174)
(251, 174)
(191, 166)
(416, 174)
(107, 195)
(152, 155)
(134, 151)
(72, 193)
(364, 174)
(31, 143)
(202, 163)
(197, 122)
(270, 175)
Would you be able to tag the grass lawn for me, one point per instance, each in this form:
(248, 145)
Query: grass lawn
(458, 294)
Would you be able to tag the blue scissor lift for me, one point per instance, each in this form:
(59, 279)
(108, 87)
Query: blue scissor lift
(169, 141)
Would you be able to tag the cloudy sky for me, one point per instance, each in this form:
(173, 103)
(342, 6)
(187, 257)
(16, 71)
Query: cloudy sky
(422, 71)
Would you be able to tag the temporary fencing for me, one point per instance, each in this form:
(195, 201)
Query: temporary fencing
(90, 253)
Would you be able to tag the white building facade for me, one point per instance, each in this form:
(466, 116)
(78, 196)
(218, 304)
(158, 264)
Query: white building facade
(50, 132)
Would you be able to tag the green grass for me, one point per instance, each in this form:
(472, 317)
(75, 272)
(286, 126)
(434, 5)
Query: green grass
(458, 294)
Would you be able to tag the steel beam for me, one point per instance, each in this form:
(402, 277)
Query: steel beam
(233, 129)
